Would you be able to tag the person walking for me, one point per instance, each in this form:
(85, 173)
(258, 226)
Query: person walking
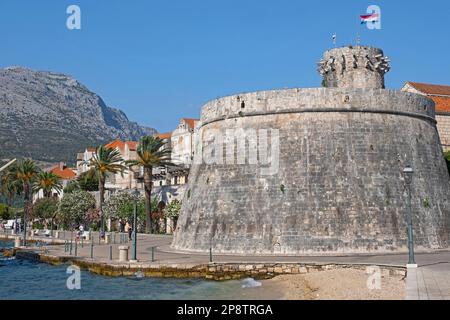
(129, 230)
(121, 226)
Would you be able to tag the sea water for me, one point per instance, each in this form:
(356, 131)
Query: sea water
(23, 279)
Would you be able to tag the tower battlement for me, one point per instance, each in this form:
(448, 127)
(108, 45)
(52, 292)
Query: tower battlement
(354, 67)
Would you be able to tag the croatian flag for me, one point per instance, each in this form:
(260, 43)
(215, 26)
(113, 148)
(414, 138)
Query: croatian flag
(369, 18)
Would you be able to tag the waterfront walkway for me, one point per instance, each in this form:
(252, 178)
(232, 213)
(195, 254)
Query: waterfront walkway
(431, 280)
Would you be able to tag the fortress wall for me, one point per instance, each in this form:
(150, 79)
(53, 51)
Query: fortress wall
(298, 100)
(340, 186)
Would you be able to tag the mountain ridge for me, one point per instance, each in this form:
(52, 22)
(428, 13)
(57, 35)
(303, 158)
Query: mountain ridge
(51, 116)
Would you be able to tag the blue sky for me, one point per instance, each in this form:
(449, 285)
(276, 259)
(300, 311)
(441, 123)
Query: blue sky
(162, 60)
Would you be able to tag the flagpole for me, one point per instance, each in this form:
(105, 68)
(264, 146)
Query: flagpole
(357, 32)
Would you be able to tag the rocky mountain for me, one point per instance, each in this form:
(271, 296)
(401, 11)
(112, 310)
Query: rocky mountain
(50, 117)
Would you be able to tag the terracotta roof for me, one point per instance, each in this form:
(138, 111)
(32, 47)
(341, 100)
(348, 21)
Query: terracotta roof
(190, 122)
(164, 136)
(66, 173)
(121, 145)
(132, 145)
(442, 103)
(115, 144)
(440, 94)
(91, 149)
(431, 89)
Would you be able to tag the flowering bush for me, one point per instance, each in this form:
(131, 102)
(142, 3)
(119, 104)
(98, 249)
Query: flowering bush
(173, 210)
(73, 208)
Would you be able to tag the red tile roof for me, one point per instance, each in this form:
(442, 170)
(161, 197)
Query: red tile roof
(164, 136)
(65, 174)
(431, 89)
(442, 103)
(132, 145)
(190, 122)
(440, 94)
(116, 144)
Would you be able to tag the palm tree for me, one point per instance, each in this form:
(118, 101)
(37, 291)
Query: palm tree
(151, 152)
(10, 187)
(105, 161)
(9, 184)
(47, 182)
(26, 174)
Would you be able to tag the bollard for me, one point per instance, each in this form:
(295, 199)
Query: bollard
(70, 253)
(153, 254)
(65, 245)
(123, 253)
(107, 238)
(110, 252)
(16, 242)
(92, 250)
(82, 244)
(114, 238)
(76, 248)
(210, 255)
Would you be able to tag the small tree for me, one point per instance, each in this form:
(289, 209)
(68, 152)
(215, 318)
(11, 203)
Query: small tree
(121, 206)
(74, 207)
(93, 218)
(45, 209)
(172, 211)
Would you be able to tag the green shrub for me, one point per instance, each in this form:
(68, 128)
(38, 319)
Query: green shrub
(447, 159)
(71, 187)
(6, 212)
(45, 208)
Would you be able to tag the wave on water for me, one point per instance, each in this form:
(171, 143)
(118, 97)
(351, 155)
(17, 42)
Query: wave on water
(137, 276)
(8, 259)
(250, 283)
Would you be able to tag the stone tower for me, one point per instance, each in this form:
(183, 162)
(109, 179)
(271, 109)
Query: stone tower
(338, 186)
(354, 67)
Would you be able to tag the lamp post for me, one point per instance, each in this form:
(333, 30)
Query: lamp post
(136, 194)
(408, 172)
